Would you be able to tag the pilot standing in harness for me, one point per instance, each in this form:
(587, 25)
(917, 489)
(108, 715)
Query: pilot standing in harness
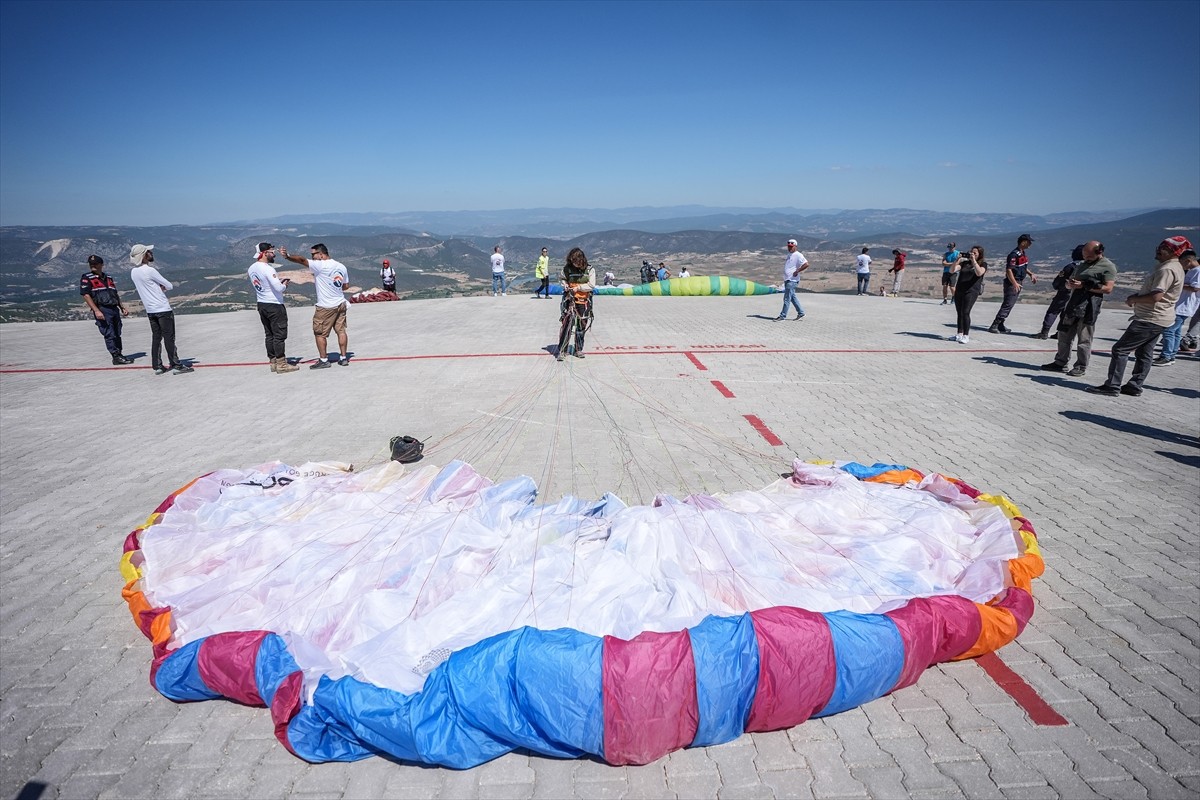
(388, 276)
(578, 283)
(100, 294)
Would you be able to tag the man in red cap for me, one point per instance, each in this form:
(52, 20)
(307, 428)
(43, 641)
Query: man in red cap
(388, 276)
(1153, 312)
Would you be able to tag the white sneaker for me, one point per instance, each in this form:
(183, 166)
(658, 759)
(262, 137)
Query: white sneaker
(956, 337)
(504, 294)
(965, 340)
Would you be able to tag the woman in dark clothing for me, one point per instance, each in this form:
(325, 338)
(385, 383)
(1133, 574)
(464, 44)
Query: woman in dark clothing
(970, 285)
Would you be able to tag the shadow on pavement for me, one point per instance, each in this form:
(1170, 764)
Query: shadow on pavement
(1187, 461)
(1125, 426)
(920, 335)
(1004, 362)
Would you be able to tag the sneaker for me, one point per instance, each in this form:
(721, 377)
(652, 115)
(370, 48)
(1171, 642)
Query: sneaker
(956, 337)
(558, 357)
(344, 361)
(1104, 389)
(780, 319)
(1054, 366)
(965, 339)
(182, 369)
(799, 316)
(1161, 361)
(580, 355)
(320, 364)
(1131, 390)
(944, 301)
(504, 294)
(161, 370)
(1077, 372)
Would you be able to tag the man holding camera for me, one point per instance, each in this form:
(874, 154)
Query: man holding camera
(1015, 270)
(1092, 279)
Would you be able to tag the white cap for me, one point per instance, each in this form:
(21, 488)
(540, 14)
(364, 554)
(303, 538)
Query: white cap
(137, 251)
(792, 241)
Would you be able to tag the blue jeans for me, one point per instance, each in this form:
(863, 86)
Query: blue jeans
(498, 280)
(789, 296)
(864, 280)
(1172, 335)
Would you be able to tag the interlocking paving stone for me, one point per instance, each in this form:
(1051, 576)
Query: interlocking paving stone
(1114, 644)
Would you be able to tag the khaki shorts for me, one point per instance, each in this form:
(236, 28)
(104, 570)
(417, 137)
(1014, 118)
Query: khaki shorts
(329, 319)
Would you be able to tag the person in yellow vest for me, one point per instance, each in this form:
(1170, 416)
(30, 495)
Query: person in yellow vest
(542, 273)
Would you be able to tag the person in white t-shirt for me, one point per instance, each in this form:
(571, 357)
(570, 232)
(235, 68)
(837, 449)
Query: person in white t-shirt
(332, 280)
(792, 267)
(863, 267)
(498, 273)
(152, 288)
(683, 273)
(272, 313)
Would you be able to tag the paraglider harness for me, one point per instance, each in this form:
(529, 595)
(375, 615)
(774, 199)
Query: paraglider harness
(406, 449)
(576, 317)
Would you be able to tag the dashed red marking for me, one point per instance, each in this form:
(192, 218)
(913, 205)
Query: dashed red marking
(1039, 711)
(722, 388)
(696, 361)
(763, 430)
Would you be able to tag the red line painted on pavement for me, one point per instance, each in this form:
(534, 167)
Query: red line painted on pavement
(696, 361)
(722, 388)
(1039, 711)
(763, 430)
(542, 354)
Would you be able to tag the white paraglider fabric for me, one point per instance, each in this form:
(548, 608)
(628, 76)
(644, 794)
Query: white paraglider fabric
(382, 574)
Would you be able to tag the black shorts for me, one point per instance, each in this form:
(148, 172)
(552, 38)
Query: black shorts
(949, 278)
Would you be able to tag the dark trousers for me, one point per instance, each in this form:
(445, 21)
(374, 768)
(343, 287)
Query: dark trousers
(1056, 307)
(162, 331)
(274, 321)
(545, 287)
(1140, 337)
(1010, 300)
(110, 328)
(963, 303)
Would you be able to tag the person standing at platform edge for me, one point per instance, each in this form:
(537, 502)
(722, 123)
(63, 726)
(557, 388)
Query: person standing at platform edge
(1016, 268)
(793, 265)
(388, 276)
(268, 291)
(152, 289)
(542, 273)
(332, 280)
(1090, 280)
(863, 269)
(1153, 312)
(949, 271)
(1185, 308)
(100, 293)
(898, 271)
(498, 281)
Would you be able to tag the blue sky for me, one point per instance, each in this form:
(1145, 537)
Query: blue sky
(155, 113)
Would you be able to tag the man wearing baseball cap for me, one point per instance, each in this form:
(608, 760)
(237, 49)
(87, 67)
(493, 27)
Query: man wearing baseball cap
(272, 313)
(793, 265)
(1153, 312)
(1015, 270)
(152, 288)
(100, 293)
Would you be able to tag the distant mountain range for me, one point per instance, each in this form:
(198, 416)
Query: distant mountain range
(39, 266)
(822, 223)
